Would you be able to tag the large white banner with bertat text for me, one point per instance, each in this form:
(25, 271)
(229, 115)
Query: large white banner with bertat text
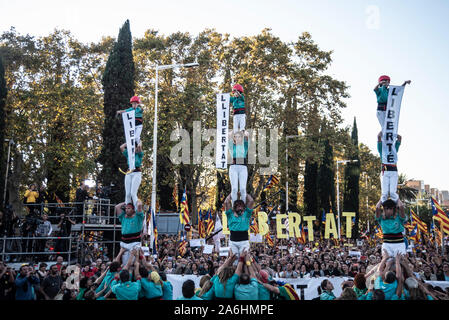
(305, 288)
(129, 126)
(221, 150)
(390, 127)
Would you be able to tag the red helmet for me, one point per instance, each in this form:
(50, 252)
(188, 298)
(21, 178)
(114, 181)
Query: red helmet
(384, 77)
(237, 87)
(135, 99)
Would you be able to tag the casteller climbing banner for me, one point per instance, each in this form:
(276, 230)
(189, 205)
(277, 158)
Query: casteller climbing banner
(221, 150)
(129, 127)
(390, 127)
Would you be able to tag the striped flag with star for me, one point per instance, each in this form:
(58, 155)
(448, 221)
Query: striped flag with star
(210, 223)
(440, 215)
(201, 229)
(421, 224)
(182, 247)
(269, 240)
(184, 213)
(272, 180)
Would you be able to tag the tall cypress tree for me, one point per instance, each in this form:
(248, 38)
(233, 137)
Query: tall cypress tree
(326, 183)
(311, 188)
(352, 176)
(118, 85)
(3, 93)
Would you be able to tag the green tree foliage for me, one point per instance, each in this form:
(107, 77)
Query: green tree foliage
(52, 109)
(118, 86)
(3, 94)
(352, 176)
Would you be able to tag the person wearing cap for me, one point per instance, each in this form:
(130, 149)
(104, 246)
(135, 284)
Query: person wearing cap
(389, 176)
(238, 103)
(391, 220)
(138, 116)
(381, 90)
(132, 223)
(239, 218)
(238, 170)
(133, 178)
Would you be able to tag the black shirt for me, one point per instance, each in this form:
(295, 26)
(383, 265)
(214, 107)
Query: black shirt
(51, 285)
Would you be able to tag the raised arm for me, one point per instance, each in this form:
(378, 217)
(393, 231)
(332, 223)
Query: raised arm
(242, 259)
(229, 260)
(401, 210)
(249, 202)
(406, 82)
(139, 206)
(383, 263)
(378, 209)
(119, 208)
(228, 203)
(399, 275)
(100, 279)
(122, 147)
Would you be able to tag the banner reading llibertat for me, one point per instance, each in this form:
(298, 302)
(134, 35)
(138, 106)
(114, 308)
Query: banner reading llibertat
(129, 127)
(221, 150)
(390, 127)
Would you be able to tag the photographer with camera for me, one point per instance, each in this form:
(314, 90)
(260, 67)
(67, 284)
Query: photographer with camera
(65, 229)
(7, 276)
(28, 230)
(24, 283)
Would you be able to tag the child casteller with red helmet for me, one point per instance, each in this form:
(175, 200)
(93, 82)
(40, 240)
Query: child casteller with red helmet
(238, 103)
(138, 116)
(381, 91)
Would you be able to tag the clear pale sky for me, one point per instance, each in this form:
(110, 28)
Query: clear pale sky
(404, 39)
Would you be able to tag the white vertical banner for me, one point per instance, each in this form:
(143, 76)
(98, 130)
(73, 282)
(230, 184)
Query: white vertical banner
(129, 126)
(221, 151)
(390, 127)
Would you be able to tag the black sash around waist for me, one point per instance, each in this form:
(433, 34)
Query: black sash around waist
(131, 237)
(239, 235)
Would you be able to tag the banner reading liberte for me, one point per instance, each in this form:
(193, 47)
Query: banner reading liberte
(390, 127)
(129, 126)
(221, 151)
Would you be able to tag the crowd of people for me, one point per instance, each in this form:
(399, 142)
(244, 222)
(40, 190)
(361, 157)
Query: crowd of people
(253, 275)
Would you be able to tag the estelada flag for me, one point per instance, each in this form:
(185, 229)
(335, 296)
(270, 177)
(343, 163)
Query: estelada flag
(184, 213)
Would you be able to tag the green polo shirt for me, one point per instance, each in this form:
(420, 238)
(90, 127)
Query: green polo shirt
(219, 290)
(126, 291)
(138, 113)
(238, 103)
(133, 224)
(137, 159)
(247, 291)
(167, 291)
(264, 293)
(382, 95)
(150, 290)
(192, 298)
(392, 226)
(240, 223)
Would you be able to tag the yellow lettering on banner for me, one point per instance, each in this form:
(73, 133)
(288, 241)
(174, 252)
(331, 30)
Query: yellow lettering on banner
(262, 220)
(294, 220)
(349, 216)
(224, 219)
(310, 220)
(280, 226)
(330, 226)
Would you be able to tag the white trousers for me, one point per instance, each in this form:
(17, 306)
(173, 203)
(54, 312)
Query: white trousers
(389, 184)
(138, 132)
(238, 174)
(237, 247)
(394, 248)
(381, 117)
(239, 122)
(128, 247)
(132, 183)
